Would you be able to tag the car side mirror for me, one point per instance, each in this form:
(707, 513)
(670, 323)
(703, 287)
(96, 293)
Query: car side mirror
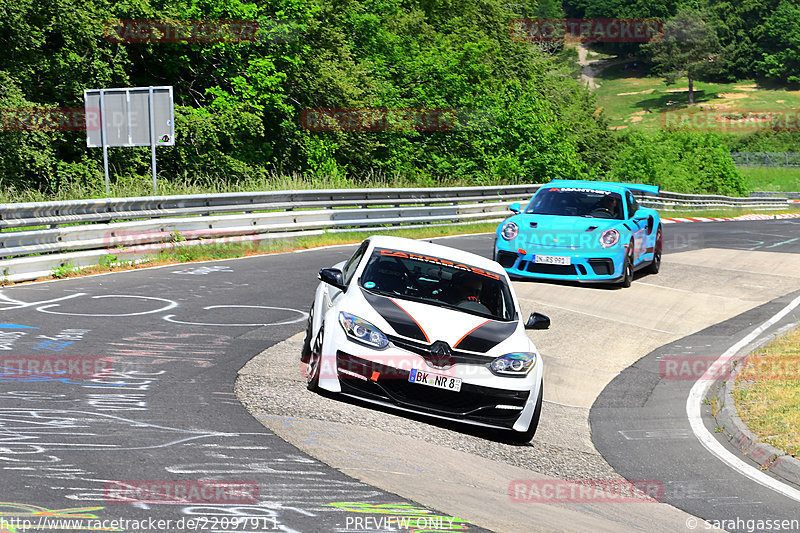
(332, 276)
(515, 207)
(537, 321)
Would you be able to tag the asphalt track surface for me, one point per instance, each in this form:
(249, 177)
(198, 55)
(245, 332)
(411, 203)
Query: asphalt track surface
(177, 336)
(639, 422)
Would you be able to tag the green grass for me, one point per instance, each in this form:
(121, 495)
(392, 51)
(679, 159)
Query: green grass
(767, 393)
(781, 179)
(67, 270)
(652, 97)
(143, 186)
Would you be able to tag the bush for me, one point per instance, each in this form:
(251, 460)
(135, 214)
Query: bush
(678, 161)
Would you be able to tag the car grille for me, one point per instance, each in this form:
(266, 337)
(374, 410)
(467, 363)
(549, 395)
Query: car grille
(391, 385)
(544, 268)
(424, 350)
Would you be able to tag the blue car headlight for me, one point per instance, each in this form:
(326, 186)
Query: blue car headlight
(509, 231)
(514, 364)
(609, 238)
(362, 331)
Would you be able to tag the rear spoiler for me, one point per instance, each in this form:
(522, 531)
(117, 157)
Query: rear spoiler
(649, 189)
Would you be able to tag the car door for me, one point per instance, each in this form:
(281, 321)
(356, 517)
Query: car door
(638, 227)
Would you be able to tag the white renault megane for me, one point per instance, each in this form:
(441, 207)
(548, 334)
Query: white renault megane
(428, 329)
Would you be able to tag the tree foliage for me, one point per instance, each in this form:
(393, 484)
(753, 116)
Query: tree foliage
(780, 53)
(688, 47)
(238, 104)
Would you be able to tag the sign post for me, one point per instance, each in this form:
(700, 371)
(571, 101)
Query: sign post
(135, 116)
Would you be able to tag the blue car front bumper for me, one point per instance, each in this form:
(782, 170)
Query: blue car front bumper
(594, 265)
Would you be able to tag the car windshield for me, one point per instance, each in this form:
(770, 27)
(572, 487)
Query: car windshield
(577, 202)
(437, 281)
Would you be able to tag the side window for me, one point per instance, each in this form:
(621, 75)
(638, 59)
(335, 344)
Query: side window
(633, 206)
(352, 263)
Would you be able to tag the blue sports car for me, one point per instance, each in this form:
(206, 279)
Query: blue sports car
(587, 231)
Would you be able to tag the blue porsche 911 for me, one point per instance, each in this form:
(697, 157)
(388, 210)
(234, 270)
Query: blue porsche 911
(587, 231)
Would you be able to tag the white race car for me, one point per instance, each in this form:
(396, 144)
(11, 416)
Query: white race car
(428, 329)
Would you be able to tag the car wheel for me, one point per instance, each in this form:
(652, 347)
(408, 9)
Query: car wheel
(655, 266)
(627, 267)
(305, 353)
(315, 361)
(526, 436)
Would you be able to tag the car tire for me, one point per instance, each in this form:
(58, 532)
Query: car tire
(305, 352)
(315, 361)
(655, 265)
(526, 436)
(627, 268)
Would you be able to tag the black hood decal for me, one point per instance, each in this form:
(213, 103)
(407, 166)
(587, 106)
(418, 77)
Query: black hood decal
(397, 317)
(486, 336)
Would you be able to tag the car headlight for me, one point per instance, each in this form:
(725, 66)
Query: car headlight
(514, 364)
(509, 231)
(609, 238)
(362, 331)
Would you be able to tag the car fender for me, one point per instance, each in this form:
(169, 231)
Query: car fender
(525, 417)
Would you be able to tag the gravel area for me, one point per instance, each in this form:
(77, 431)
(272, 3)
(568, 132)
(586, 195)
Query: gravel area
(271, 384)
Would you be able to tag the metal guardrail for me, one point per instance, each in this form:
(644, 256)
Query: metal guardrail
(132, 228)
(110, 209)
(83, 232)
(773, 194)
(674, 200)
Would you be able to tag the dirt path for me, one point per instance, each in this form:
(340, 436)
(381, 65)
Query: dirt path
(591, 69)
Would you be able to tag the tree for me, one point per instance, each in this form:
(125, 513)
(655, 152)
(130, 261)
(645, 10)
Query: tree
(781, 44)
(688, 47)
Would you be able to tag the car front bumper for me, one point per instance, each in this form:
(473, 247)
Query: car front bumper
(382, 377)
(595, 265)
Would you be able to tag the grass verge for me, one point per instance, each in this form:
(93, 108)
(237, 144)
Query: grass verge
(781, 179)
(767, 393)
(134, 186)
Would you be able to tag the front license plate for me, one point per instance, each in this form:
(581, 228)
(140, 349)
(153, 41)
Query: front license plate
(553, 260)
(435, 380)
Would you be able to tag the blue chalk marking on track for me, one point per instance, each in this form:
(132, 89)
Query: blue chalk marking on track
(16, 326)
